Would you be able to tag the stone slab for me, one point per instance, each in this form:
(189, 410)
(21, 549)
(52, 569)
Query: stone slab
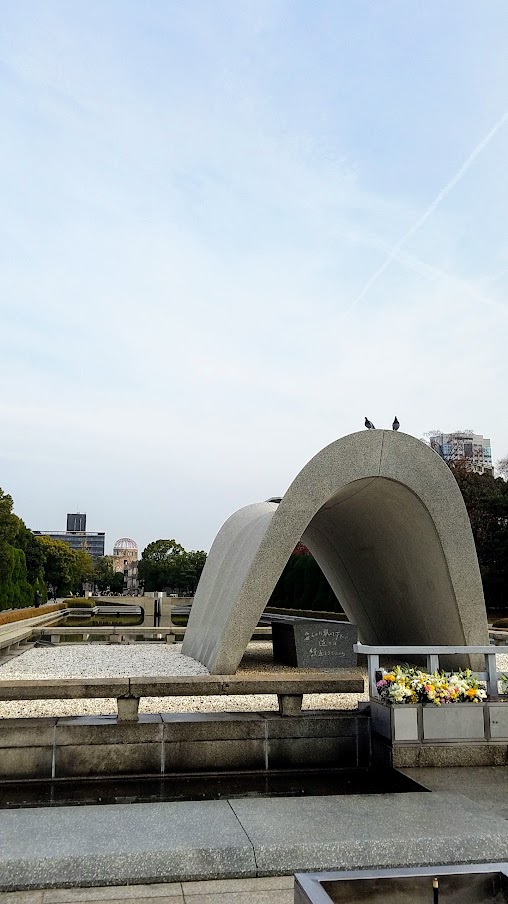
(275, 896)
(190, 841)
(131, 893)
(319, 724)
(351, 832)
(213, 726)
(107, 730)
(108, 759)
(314, 643)
(405, 756)
(487, 785)
(116, 844)
(58, 689)
(215, 756)
(26, 732)
(26, 762)
(298, 753)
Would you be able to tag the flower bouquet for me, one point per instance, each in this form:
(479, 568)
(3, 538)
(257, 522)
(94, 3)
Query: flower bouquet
(407, 684)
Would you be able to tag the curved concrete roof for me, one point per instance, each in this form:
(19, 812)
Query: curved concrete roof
(384, 517)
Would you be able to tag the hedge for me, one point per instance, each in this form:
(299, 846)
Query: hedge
(15, 615)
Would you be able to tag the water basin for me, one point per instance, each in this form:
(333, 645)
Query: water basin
(66, 792)
(468, 884)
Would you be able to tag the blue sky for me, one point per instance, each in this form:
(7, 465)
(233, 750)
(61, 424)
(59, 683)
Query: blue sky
(214, 254)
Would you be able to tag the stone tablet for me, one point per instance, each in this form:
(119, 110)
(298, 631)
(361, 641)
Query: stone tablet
(312, 643)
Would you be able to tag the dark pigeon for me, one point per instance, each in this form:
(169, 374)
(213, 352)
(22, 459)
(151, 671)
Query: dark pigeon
(395, 425)
(369, 424)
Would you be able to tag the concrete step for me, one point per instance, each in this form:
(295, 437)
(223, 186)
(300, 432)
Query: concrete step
(240, 838)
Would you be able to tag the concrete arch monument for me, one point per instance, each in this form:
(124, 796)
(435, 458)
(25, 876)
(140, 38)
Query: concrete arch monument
(385, 520)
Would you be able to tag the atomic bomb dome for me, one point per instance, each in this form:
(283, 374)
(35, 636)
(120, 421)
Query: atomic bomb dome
(125, 558)
(123, 544)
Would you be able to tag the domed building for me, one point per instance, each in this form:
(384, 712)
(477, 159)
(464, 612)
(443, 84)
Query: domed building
(125, 559)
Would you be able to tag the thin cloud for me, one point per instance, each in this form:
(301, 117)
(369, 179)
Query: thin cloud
(461, 172)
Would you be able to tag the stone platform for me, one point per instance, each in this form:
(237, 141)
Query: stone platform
(198, 840)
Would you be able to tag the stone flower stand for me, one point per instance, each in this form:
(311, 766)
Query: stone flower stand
(449, 723)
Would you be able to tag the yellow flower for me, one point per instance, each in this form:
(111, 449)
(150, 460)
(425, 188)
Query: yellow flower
(471, 692)
(389, 677)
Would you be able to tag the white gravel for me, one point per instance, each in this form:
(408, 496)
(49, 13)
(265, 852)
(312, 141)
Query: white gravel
(139, 660)
(502, 662)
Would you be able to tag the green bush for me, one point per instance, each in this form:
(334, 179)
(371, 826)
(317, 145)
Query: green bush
(80, 602)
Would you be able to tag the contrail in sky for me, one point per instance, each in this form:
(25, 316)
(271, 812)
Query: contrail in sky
(429, 211)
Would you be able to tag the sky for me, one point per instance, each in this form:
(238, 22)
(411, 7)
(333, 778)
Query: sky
(230, 230)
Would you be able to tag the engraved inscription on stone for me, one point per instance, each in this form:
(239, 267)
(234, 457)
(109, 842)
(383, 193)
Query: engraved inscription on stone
(314, 643)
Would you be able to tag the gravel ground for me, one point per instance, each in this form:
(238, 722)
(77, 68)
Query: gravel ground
(502, 662)
(103, 661)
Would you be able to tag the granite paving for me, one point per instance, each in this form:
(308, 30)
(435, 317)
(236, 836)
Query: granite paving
(108, 845)
(357, 831)
(486, 785)
(266, 890)
(192, 841)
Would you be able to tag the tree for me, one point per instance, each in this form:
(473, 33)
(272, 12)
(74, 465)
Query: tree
(486, 501)
(302, 585)
(7, 519)
(58, 565)
(15, 590)
(166, 565)
(187, 570)
(26, 540)
(105, 577)
(82, 569)
(103, 572)
(502, 467)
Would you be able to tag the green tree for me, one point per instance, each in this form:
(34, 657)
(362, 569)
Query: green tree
(105, 577)
(302, 585)
(7, 519)
(60, 566)
(166, 565)
(26, 540)
(15, 590)
(486, 501)
(82, 569)
(103, 572)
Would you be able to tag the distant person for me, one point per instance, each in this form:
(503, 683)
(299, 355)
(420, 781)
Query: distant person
(38, 598)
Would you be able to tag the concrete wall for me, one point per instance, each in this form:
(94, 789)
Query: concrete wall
(385, 519)
(81, 747)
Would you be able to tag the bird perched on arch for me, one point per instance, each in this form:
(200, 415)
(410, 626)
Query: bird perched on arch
(369, 424)
(395, 425)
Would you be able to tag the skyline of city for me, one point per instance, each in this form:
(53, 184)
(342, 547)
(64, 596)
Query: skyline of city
(109, 546)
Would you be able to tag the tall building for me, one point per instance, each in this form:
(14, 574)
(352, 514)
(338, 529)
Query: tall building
(464, 445)
(125, 559)
(77, 537)
(76, 522)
